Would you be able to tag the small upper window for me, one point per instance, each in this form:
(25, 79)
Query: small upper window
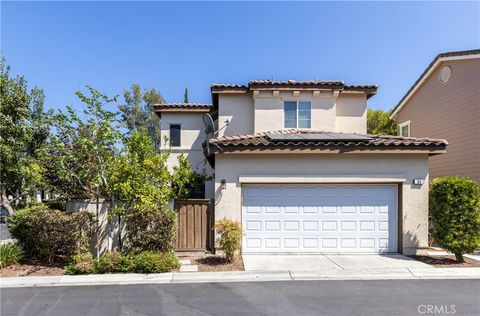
(297, 114)
(404, 129)
(175, 135)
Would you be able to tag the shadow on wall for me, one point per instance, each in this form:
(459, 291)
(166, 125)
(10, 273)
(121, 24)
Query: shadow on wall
(411, 245)
(218, 195)
(110, 230)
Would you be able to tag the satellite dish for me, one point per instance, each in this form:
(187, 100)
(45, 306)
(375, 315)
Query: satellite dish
(209, 124)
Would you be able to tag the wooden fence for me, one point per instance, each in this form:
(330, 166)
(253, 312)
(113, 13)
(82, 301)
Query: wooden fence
(195, 225)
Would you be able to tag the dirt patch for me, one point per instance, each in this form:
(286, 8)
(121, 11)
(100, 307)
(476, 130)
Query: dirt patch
(216, 264)
(32, 268)
(447, 261)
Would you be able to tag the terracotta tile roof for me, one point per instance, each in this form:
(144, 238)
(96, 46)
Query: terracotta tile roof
(322, 140)
(427, 70)
(215, 87)
(293, 83)
(311, 84)
(168, 107)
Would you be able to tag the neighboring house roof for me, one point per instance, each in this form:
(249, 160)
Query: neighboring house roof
(370, 90)
(306, 140)
(182, 107)
(466, 54)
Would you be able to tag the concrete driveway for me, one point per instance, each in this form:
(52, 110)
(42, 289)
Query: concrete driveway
(265, 262)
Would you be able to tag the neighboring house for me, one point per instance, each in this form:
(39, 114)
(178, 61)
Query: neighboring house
(445, 103)
(292, 163)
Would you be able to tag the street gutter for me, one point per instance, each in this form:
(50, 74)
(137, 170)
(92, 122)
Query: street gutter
(242, 276)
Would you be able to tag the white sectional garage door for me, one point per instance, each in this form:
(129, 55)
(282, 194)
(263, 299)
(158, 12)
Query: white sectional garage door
(319, 218)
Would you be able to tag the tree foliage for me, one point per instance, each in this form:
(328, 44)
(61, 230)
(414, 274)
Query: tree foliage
(24, 128)
(139, 176)
(455, 211)
(137, 112)
(185, 95)
(140, 180)
(379, 123)
(82, 148)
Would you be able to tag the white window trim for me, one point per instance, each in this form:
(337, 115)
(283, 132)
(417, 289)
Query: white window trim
(298, 101)
(401, 125)
(169, 137)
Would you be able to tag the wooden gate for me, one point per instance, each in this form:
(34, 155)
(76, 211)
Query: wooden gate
(194, 225)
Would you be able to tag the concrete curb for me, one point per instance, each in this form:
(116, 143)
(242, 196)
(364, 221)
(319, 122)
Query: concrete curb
(242, 276)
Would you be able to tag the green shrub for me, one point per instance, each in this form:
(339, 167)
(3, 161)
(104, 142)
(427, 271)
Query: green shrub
(82, 263)
(50, 234)
(152, 231)
(154, 262)
(455, 213)
(230, 237)
(56, 204)
(10, 253)
(113, 262)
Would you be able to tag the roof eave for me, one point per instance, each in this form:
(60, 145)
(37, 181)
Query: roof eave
(430, 150)
(203, 110)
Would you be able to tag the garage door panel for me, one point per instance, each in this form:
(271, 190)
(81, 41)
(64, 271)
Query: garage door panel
(319, 219)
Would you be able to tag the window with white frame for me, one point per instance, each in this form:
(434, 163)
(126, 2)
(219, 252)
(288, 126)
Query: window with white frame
(297, 114)
(404, 129)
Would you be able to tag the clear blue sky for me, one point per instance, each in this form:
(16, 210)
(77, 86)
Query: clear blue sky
(63, 46)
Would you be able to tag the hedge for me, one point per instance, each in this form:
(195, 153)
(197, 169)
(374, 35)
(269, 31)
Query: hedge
(455, 213)
(114, 262)
(152, 231)
(51, 235)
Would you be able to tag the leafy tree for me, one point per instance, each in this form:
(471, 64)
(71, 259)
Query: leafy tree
(81, 149)
(137, 112)
(455, 210)
(185, 95)
(183, 178)
(139, 176)
(24, 128)
(379, 123)
(140, 179)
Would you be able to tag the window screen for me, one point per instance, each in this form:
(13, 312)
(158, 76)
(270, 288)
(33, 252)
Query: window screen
(175, 135)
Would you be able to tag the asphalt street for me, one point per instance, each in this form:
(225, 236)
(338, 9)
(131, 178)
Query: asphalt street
(386, 297)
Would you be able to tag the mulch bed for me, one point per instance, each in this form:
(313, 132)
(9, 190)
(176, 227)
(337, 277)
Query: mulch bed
(216, 264)
(32, 268)
(447, 261)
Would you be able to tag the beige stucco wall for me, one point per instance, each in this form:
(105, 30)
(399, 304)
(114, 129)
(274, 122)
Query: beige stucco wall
(408, 166)
(237, 109)
(263, 111)
(450, 111)
(192, 137)
(269, 110)
(351, 113)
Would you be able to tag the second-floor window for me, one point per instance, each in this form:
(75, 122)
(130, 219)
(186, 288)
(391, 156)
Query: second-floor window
(297, 114)
(404, 129)
(175, 135)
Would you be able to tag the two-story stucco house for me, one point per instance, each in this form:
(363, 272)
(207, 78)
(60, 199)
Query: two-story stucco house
(293, 164)
(445, 102)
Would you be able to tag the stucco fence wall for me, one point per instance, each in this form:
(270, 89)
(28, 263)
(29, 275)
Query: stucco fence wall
(111, 231)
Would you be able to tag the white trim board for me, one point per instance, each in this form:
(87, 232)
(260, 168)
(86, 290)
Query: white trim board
(378, 178)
